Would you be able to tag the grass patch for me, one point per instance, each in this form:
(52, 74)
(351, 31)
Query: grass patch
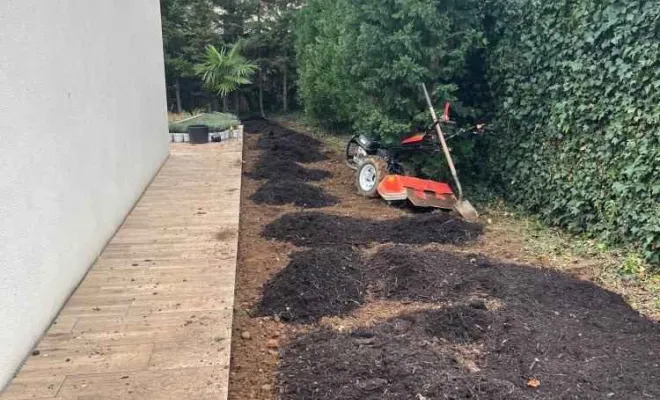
(619, 269)
(216, 122)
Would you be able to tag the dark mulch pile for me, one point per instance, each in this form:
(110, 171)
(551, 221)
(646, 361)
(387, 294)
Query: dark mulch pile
(288, 149)
(400, 359)
(439, 227)
(318, 229)
(272, 167)
(293, 192)
(579, 340)
(401, 273)
(315, 283)
(287, 144)
(276, 135)
(256, 126)
(503, 323)
(459, 324)
(284, 148)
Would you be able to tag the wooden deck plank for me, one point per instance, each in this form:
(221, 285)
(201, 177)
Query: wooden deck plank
(152, 319)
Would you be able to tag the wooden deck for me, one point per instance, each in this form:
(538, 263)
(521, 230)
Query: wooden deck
(152, 319)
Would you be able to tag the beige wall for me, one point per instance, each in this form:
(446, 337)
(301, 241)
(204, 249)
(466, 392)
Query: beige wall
(82, 131)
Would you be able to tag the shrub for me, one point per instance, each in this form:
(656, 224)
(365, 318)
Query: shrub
(216, 122)
(361, 62)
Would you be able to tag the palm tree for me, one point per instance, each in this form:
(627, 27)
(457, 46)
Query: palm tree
(223, 71)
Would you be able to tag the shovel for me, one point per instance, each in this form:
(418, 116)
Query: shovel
(462, 207)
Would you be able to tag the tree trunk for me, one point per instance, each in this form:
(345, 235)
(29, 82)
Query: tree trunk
(225, 103)
(177, 90)
(214, 103)
(285, 89)
(261, 75)
(237, 102)
(261, 99)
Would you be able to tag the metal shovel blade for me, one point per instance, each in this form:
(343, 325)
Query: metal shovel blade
(465, 209)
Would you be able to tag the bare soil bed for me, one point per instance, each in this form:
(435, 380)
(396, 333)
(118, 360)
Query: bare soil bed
(358, 300)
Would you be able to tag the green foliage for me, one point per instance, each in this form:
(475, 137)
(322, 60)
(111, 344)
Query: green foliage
(216, 122)
(264, 28)
(325, 85)
(269, 44)
(577, 84)
(572, 86)
(188, 27)
(223, 71)
(632, 265)
(361, 62)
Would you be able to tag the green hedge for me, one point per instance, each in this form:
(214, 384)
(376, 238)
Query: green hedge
(572, 88)
(361, 62)
(216, 121)
(577, 88)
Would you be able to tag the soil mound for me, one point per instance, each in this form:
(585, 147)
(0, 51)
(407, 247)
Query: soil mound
(275, 135)
(467, 352)
(287, 144)
(402, 273)
(460, 324)
(438, 227)
(552, 288)
(315, 283)
(319, 229)
(314, 229)
(274, 168)
(256, 126)
(290, 148)
(284, 143)
(394, 360)
(293, 192)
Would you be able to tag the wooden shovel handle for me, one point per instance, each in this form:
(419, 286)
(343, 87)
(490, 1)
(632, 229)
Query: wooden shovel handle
(445, 149)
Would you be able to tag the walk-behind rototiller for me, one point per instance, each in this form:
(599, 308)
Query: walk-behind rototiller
(380, 171)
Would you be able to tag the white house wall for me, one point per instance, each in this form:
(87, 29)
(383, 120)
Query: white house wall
(83, 130)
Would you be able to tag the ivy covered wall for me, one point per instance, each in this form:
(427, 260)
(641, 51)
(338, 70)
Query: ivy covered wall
(577, 90)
